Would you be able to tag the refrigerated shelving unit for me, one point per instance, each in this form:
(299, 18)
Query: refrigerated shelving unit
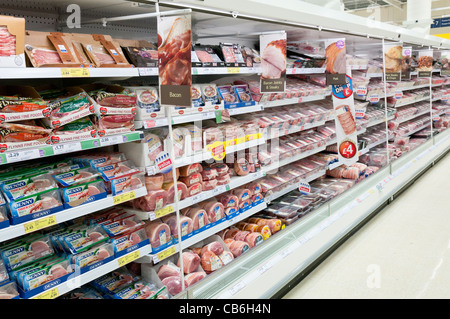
(266, 270)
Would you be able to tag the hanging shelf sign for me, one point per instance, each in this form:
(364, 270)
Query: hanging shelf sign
(425, 63)
(336, 62)
(393, 56)
(273, 62)
(174, 55)
(406, 63)
(344, 107)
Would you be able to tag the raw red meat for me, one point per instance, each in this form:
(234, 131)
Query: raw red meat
(236, 247)
(173, 284)
(209, 185)
(215, 247)
(190, 169)
(168, 270)
(182, 191)
(209, 173)
(154, 200)
(157, 232)
(154, 182)
(187, 225)
(253, 239)
(194, 277)
(191, 261)
(195, 189)
(198, 216)
(191, 179)
(210, 261)
(214, 209)
(44, 56)
(229, 200)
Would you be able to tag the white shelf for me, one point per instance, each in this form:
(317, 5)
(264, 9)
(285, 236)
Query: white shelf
(296, 129)
(296, 100)
(14, 231)
(373, 123)
(56, 73)
(414, 116)
(416, 130)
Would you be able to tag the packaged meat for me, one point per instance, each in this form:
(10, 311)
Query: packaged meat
(191, 261)
(148, 106)
(210, 93)
(27, 185)
(228, 200)
(9, 290)
(22, 252)
(194, 277)
(210, 262)
(237, 247)
(186, 225)
(214, 209)
(129, 238)
(195, 189)
(154, 144)
(126, 183)
(45, 202)
(241, 167)
(221, 168)
(121, 225)
(181, 191)
(167, 270)
(228, 94)
(158, 232)
(191, 169)
(253, 239)
(223, 180)
(215, 247)
(93, 255)
(77, 176)
(208, 173)
(209, 184)
(243, 194)
(198, 216)
(29, 131)
(191, 179)
(154, 182)
(154, 200)
(83, 193)
(174, 284)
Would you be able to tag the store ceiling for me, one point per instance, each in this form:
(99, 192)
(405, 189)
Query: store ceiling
(364, 4)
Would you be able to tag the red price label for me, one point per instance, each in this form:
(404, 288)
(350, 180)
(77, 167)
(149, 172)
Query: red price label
(347, 149)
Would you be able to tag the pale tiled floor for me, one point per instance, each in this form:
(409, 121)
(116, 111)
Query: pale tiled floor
(403, 252)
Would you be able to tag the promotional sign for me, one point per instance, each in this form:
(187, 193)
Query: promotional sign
(425, 63)
(336, 62)
(393, 55)
(347, 138)
(444, 62)
(174, 55)
(406, 63)
(273, 62)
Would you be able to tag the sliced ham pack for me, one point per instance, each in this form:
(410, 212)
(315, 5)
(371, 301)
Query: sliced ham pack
(12, 35)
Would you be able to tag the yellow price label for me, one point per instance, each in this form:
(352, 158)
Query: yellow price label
(163, 211)
(75, 73)
(240, 140)
(129, 258)
(39, 224)
(119, 199)
(233, 70)
(251, 137)
(166, 253)
(50, 294)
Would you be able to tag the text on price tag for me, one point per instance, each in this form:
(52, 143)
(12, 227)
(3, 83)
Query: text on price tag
(124, 197)
(129, 258)
(24, 155)
(39, 224)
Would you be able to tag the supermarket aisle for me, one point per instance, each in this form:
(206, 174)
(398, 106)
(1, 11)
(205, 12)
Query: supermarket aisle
(403, 252)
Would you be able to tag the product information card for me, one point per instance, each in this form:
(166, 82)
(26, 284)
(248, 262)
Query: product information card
(273, 62)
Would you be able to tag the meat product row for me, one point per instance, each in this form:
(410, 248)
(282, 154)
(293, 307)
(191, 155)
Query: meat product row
(122, 283)
(198, 261)
(49, 187)
(49, 115)
(37, 259)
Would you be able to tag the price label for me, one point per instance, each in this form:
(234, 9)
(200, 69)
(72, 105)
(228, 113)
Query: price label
(218, 151)
(124, 197)
(147, 71)
(75, 72)
(233, 70)
(17, 156)
(374, 99)
(39, 224)
(304, 187)
(66, 148)
(361, 90)
(219, 190)
(237, 287)
(50, 294)
(129, 258)
(111, 140)
(166, 253)
(164, 211)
